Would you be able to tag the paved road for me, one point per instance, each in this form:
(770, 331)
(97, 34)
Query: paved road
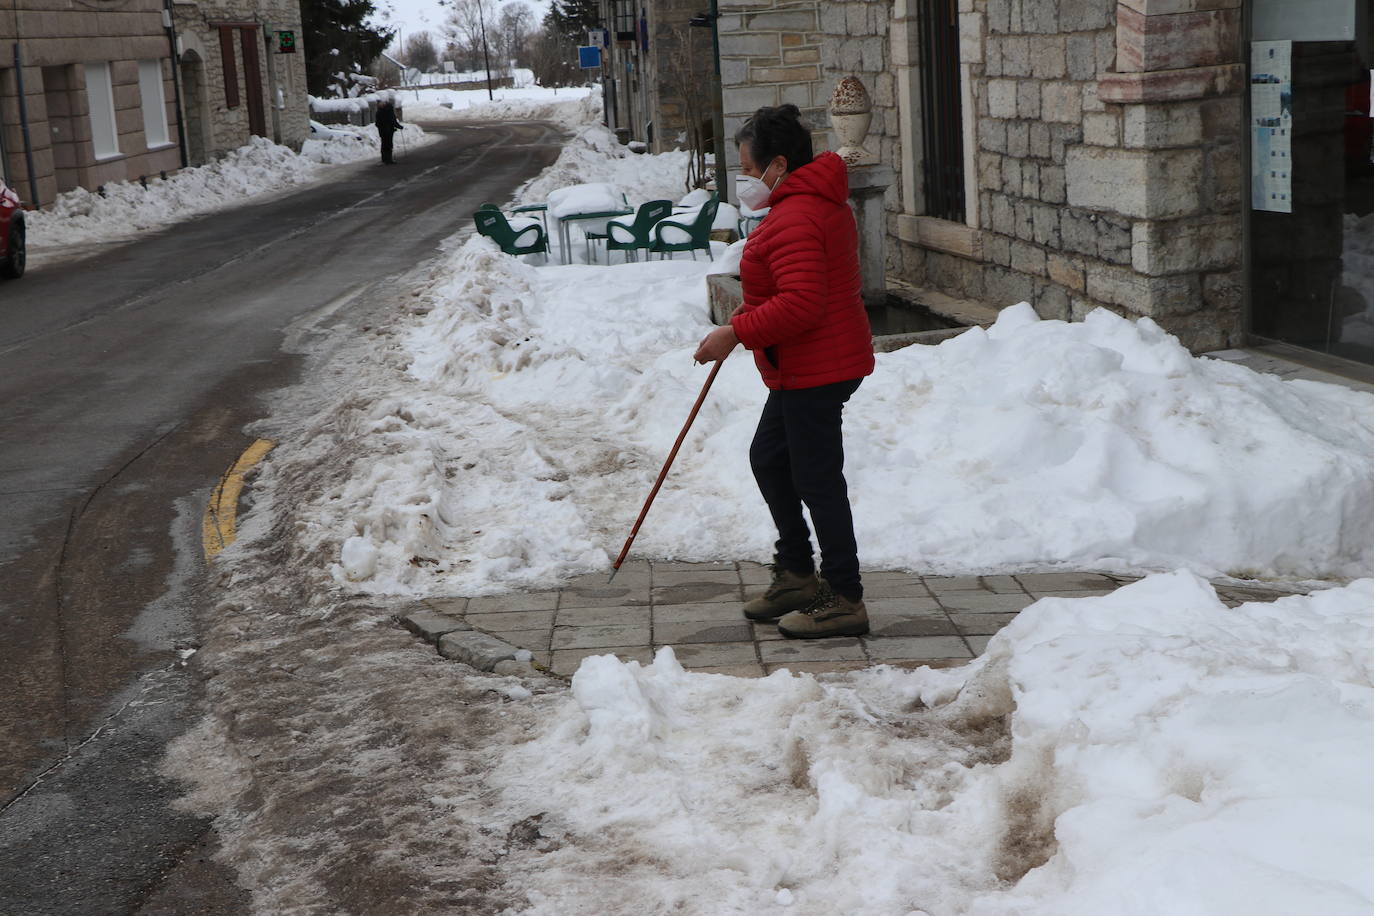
(127, 380)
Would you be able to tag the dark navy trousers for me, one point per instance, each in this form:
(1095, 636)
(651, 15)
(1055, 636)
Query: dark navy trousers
(798, 459)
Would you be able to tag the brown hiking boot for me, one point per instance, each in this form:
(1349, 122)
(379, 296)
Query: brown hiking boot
(828, 615)
(789, 591)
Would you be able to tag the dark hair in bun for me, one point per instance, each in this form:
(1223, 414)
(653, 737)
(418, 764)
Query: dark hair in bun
(773, 132)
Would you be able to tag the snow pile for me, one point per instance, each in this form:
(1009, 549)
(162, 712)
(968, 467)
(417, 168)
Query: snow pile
(572, 108)
(1101, 444)
(356, 104)
(1106, 444)
(79, 216)
(1150, 752)
(493, 507)
(523, 78)
(126, 208)
(593, 155)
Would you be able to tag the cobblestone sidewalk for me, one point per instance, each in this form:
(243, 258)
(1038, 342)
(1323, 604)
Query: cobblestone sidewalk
(695, 608)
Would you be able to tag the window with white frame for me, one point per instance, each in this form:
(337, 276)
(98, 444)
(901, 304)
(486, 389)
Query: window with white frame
(154, 103)
(100, 99)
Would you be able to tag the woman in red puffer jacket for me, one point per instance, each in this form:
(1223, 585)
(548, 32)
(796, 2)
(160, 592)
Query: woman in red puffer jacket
(804, 320)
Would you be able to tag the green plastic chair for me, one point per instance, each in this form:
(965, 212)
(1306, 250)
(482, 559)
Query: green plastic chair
(492, 223)
(698, 232)
(639, 230)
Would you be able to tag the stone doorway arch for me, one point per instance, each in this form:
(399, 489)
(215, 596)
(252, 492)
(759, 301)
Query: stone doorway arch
(196, 119)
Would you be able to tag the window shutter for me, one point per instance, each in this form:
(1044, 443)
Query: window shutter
(231, 70)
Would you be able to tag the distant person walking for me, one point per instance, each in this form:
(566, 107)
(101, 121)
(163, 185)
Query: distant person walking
(387, 125)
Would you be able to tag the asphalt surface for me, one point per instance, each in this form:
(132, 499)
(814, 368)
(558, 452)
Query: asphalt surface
(127, 379)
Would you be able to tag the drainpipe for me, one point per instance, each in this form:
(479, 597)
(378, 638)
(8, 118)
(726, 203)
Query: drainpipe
(717, 109)
(24, 124)
(4, 157)
(717, 102)
(274, 97)
(169, 24)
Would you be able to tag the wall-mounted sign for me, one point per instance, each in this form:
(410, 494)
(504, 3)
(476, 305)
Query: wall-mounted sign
(1306, 20)
(1271, 126)
(286, 42)
(588, 57)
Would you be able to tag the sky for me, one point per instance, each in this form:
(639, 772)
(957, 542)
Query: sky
(415, 15)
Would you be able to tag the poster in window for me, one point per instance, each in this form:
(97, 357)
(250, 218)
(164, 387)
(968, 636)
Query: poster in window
(1271, 126)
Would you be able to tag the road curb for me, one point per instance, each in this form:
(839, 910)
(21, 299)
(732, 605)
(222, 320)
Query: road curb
(456, 640)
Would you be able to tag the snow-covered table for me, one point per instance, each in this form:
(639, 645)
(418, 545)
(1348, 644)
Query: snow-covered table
(596, 202)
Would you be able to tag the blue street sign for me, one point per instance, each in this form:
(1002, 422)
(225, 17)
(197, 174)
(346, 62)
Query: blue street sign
(588, 57)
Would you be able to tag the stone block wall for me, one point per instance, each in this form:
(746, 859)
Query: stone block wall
(1107, 161)
(1102, 145)
(682, 77)
(770, 54)
(774, 53)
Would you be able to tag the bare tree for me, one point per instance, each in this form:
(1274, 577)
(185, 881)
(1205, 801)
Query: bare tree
(552, 58)
(514, 27)
(467, 28)
(421, 53)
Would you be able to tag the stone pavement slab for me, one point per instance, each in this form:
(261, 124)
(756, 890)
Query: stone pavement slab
(672, 634)
(705, 655)
(430, 625)
(514, 620)
(695, 608)
(564, 662)
(599, 637)
(1040, 583)
(603, 616)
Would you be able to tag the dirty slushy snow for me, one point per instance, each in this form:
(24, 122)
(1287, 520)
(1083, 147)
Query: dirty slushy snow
(1151, 751)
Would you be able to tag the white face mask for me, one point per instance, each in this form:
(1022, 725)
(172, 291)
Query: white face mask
(753, 192)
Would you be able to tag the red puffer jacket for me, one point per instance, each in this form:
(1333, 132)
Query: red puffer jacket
(802, 315)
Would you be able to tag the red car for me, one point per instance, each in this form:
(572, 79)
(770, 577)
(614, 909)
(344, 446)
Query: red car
(11, 234)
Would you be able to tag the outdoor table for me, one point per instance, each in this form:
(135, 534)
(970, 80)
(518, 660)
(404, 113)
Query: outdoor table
(565, 223)
(594, 202)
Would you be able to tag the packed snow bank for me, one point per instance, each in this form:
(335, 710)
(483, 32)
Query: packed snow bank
(540, 403)
(261, 167)
(126, 208)
(572, 107)
(1150, 752)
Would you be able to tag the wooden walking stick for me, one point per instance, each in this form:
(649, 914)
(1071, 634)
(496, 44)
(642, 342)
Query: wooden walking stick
(663, 474)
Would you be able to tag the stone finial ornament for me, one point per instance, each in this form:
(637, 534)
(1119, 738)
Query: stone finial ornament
(851, 111)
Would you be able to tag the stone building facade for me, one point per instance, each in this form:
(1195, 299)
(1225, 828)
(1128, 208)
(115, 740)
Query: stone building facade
(237, 82)
(659, 77)
(1089, 152)
(98, 102)
(680, 75)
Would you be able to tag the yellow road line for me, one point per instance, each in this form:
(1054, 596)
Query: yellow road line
(217, 528)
